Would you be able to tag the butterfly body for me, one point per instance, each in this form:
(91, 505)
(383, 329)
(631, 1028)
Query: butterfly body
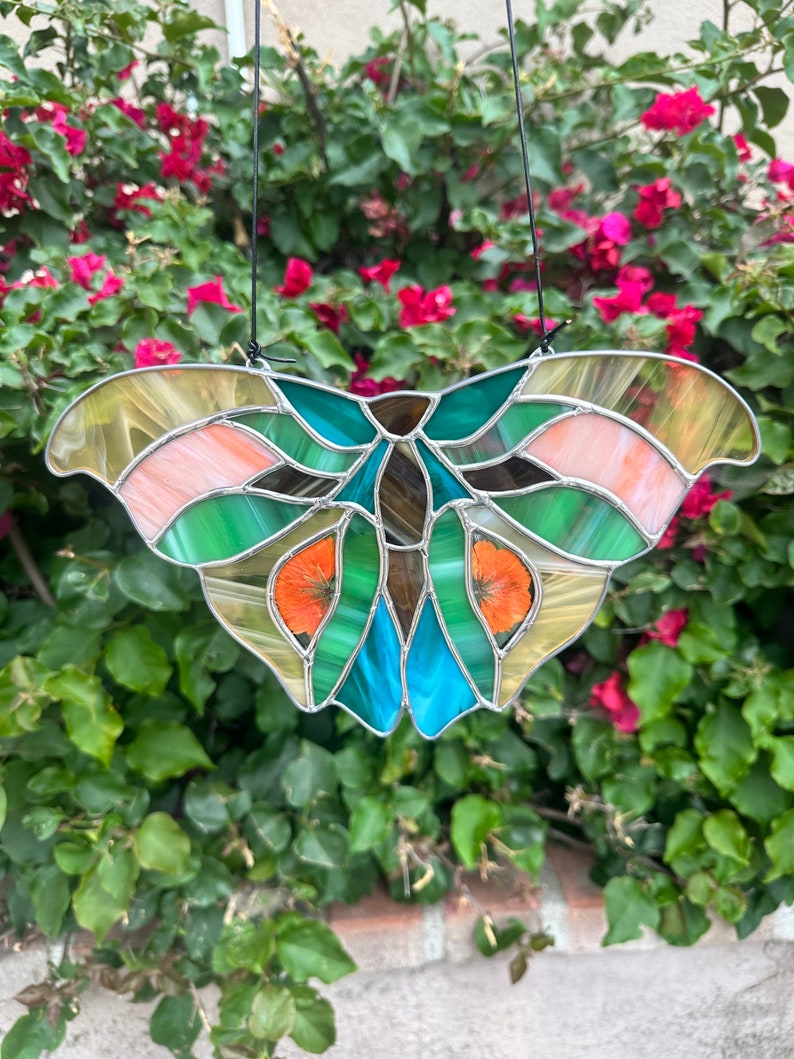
(413, 551)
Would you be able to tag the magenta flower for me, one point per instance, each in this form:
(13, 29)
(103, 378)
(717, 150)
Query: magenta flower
(419, 308)
(330, 316)
(151, 352)
(361, 384)
(654, 199)
(743, 148)
(667, 628)
(380, 273)
(298, 277)
(699, 501)
(111, 285)
(13, 177)
(133, 113)
(83, 269)
(610, 695)
(781, 172)
(680, 112)
(212, 293)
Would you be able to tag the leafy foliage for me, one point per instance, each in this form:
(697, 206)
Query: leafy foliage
(157, 788)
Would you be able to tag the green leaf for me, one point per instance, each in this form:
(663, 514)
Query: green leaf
(51, 896)
(780, 847)
(628, 908)
(135, 661)
(783, 761)
(473, 819)
(3, 806)
(311, 776)
(774, 103)
(273, 1013)
(723, 741)
(146, 579)
(658, 675)
(326, 846)
(308, 948)
(725, 834)
(94, 908)
(685, 837)
(595, 746)
(370, 823)
(118, 871)
(92, 723)
(31, 1035)
(314, 1030)
(327, 350)
(176, 1023)
(185, 24)
(161, 845)
(163, 749)
(245, 944)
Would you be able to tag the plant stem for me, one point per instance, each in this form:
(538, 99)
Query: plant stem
(29, 565)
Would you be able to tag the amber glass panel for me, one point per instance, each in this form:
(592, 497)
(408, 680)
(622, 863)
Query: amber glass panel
(406, 579)
(403, 498)
(692, 412)
(513, 474)
(292, 482)
(400, 413)
(111, 424)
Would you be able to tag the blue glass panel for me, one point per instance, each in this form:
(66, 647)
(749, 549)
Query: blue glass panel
(373, 688)
(438, 692)
(333, 415)
(361, 487)
(464, 409)
(445, 485)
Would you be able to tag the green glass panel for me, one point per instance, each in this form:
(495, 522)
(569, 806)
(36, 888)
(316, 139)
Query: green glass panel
(287, 433)
(463, 410)
(358, 582)
(577, 522)
(445, 485)
(334, 416)
(515, 425)
(447, 562)
(223, 526)
(361, 487)
(438, 692)
(373, 688)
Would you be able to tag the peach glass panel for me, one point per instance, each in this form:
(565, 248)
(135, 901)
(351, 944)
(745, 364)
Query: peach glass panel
(188, 467)
(692, 412)
(104, 431)
(238, 595)
(599, 450)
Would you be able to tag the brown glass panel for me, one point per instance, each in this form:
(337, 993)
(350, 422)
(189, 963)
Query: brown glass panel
(400, 414)
(504, 477)
(405, 581)
(292, 482)
(403, 499)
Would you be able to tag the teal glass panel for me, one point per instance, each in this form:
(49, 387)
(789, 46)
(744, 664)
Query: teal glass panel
(445, 485)
(514, 425)
(373, 688)
(361, 487)
(221, 527)
(438, 692)
(285, 432)
(447, 562)
(333, 415)
(464, 409)
(579, 523)
(358, 582)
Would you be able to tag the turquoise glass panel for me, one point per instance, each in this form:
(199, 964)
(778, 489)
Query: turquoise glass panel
(579, 523)
(358, 583)
(514, 425)
(361, 487)
(335, 417)
(447, 562)
(464, 409)
(373, 688)
(438, 692)
(295, 442)
(221, 527)
(445, 485)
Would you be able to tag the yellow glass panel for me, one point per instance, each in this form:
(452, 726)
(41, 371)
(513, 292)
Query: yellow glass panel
(692, 412)
(111, 424)
(238, 595)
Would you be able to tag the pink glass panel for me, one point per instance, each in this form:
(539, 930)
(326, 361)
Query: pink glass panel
(602, 451)
(189, 466)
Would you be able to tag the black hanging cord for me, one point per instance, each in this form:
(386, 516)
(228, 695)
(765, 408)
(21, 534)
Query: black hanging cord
(254, 351)
(546, 335)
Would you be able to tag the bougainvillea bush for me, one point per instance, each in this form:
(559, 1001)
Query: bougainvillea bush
(158, 791)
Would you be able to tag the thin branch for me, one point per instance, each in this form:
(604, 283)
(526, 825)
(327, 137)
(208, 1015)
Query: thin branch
(29, 564)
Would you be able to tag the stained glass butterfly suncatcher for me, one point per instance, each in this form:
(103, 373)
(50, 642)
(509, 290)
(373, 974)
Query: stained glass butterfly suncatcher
(413, 551)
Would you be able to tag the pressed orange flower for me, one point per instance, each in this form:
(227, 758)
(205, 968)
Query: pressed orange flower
(502, 585)
(305, 587)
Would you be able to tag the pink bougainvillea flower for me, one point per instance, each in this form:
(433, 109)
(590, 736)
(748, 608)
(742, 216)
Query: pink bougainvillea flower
(134, 198)
(381, 273)
(57, 114)
(680, 112)
(361, 384)
(661, 304)
(633, 283)
(516, 207)
(532, 324)
(13, 177)
(605, 236)
(743, 148)
(478, 251)
(151, 352)
(133, 113)
(610, 695)
(681, 331)
(781, 172)
(211, 292)
(83, 269)
(419, 308)
(298, 276)
(330, 316)
(654, 199)
(379, 70)
(126, 72)
(700, 500)
(111, 285)
(42, 277)
(670, 535)
(668, 627)
(560, 199)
